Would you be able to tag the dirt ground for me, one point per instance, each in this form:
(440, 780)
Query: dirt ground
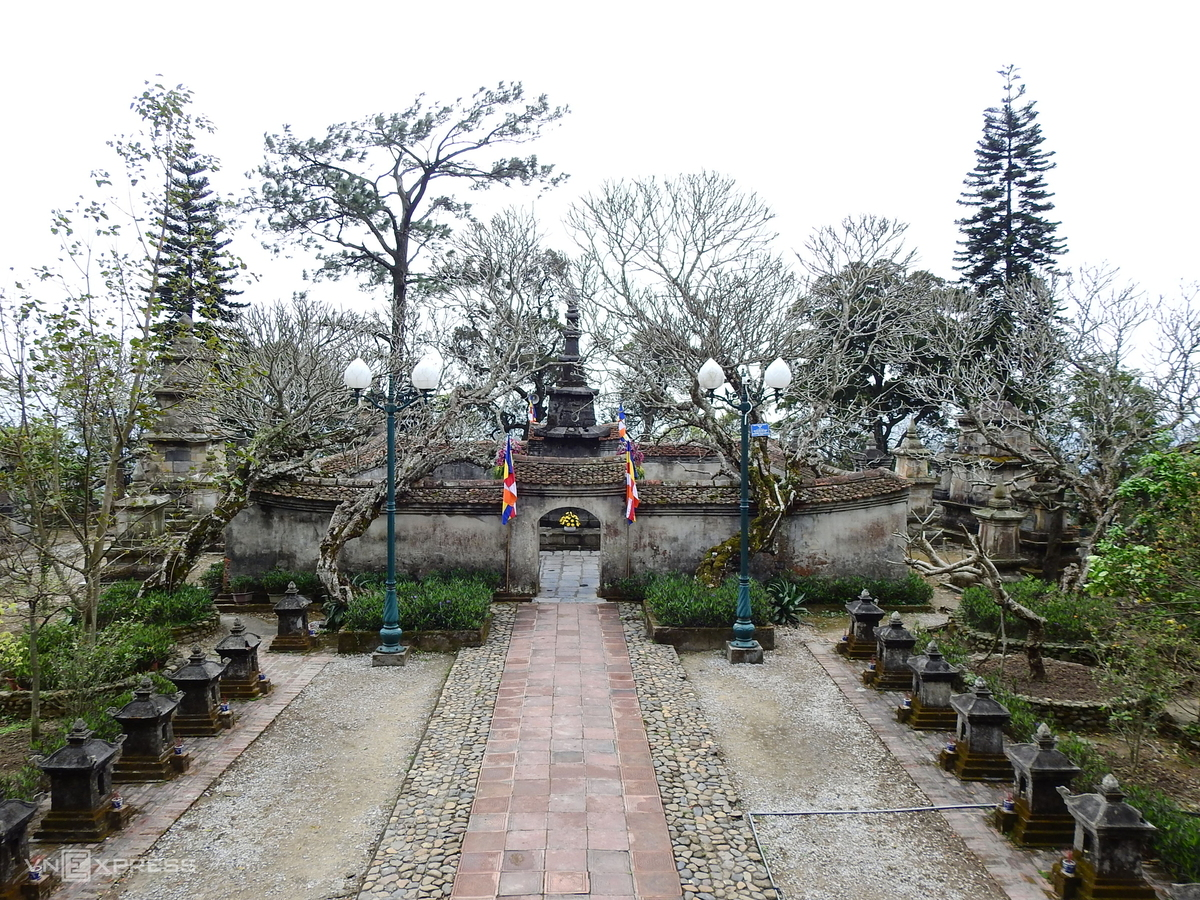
(1063, 681)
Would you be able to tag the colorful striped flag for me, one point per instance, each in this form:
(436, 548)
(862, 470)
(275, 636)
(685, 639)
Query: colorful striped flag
(509, 508)
(631, 492)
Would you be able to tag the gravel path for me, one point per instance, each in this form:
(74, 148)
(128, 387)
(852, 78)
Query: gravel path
(298, 815)
(794, 743)
(325, 805)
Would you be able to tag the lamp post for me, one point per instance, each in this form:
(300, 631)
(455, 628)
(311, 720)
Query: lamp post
(425, 377)
(743, 648)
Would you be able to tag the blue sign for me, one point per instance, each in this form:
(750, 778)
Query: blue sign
(760, 430)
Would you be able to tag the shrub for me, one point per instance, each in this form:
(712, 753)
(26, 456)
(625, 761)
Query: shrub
(787, 599)
(681, 601)
(213, 579)
(447, 601)
(244, 584)
(1069, 618)
(275, 581)
(183, 606)
(123, 649)
(911, 590)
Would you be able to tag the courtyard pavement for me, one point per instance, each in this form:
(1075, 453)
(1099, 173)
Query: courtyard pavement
(536, 778)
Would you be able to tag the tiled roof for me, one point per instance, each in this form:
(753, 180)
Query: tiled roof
(852, 486)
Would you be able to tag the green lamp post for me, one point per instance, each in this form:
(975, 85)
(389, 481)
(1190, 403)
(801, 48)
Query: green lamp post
(744, 648)
(424, 379)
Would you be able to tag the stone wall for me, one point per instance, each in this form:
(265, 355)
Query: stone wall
(833, 538)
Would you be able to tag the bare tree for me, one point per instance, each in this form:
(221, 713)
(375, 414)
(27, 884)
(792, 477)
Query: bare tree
(684, 270)
(976, 563)
(485, 313)
(275, 394)
(1066, 396)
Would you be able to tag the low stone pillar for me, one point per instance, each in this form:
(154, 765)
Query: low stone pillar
(200, 709)
(893, 646)
(243, 680)
(1110, 838)
(978, 754)
(149, 752)
(293, 636)
(83, 807)
(860, 636)
(1039, 817)
(15, 816)
(932, 683)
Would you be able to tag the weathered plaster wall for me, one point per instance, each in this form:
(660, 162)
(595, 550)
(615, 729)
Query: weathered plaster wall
(836, 539)
(848, 539)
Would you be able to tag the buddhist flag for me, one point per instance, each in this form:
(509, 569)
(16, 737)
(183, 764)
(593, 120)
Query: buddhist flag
(631, 492)
(509, 508)
(532, 412)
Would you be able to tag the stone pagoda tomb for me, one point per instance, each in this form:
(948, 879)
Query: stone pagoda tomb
(1039, 817)
(1110, 839)
(149, 752)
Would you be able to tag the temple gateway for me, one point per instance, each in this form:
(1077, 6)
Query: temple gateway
(846, 523)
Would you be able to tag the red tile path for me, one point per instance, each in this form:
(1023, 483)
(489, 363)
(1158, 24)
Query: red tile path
(567, 803)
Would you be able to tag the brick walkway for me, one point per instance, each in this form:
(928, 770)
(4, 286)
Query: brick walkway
(567, 803)
(1013, 869)
(211, 756)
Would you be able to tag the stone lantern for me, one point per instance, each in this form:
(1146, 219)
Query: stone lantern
(149, 752)
(83, 808)
(932, 681)
(893, 645)
(15, 816)
(860, 636)
(1110, 838)
(200, 713)
(979, 745)
(1039, 816)
(242, 679)
(292, 611)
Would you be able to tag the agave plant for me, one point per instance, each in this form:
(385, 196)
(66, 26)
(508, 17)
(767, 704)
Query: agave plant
(786, 601)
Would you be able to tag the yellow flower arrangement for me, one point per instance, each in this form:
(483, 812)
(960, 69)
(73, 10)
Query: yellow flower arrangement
(569, 520)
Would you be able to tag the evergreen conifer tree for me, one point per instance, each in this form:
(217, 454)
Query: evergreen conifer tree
(197, 272)
(1007, 240)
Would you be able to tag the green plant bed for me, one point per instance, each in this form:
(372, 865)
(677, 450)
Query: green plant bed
(440, 602)
(680, 601)
(691, 638)
(185, 605)
(895, 594)
(1069, 618)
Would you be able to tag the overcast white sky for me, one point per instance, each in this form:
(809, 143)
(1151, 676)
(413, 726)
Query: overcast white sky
(825, 110)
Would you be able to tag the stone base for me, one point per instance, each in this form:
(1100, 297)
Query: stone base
(291, 643)
(390, 659)
(970, 766)
(883, 680)
(133, 769)
(921, 718)
(1031, 830)
(852, 648)
(82, 826)
(203, 726)
(25, 889)
(736, 655)
(1085, 884)
(250, 689)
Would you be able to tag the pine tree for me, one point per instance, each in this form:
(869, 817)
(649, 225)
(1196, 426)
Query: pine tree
(1007, 240)
(197, 272)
